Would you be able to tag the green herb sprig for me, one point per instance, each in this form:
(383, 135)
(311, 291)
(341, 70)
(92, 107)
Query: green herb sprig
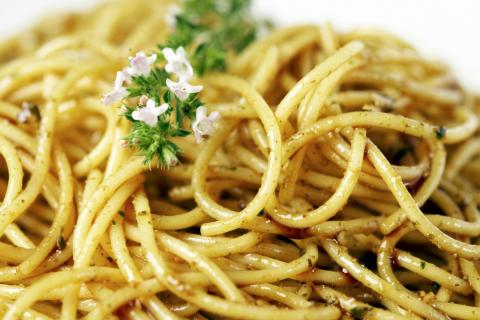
(212, 28)
(154, 142)
(207, 31)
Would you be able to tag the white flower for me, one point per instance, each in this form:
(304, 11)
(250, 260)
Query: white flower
(140, 64)
(182, 89)
(203, 124)
(115, 95)
(119, 92)
(25, 113)
(150, 113)
(122, 76)
(177, 63)
(172, 12)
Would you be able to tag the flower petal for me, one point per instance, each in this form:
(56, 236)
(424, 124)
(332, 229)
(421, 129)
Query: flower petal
(201, 113)
(203, 124)
(194, 89)
(120, 78)
(140, 64)
(178, 89)
(168, 53)
(151, 103)
(177, 63)
(214, 116)
(181, 53)
(152, 59)
(115, 95)
(163, 108)
(136, 115)
(146, 116)
(150, 113)
(169, 68)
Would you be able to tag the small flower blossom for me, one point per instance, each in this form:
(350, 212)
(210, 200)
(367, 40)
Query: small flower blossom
(182, 89)
(25, 113)
(204, 125)
(140, 64)
(119, 92)
(150, 113)
(177, 63)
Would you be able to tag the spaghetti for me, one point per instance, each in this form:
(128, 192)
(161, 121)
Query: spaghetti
(341, 183)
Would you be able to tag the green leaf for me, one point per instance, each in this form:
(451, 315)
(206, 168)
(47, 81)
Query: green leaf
(440, 132)
(358, 313)
(61, 242)
(167, 96)
(182, 133)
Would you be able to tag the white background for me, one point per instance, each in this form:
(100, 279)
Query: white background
(441, 29)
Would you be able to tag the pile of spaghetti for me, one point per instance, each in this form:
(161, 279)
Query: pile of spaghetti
(342, 182)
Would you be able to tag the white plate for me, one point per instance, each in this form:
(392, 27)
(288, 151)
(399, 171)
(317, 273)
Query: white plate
(441, 29)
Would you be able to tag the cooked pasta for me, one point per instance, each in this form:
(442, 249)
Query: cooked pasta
(342, 181)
